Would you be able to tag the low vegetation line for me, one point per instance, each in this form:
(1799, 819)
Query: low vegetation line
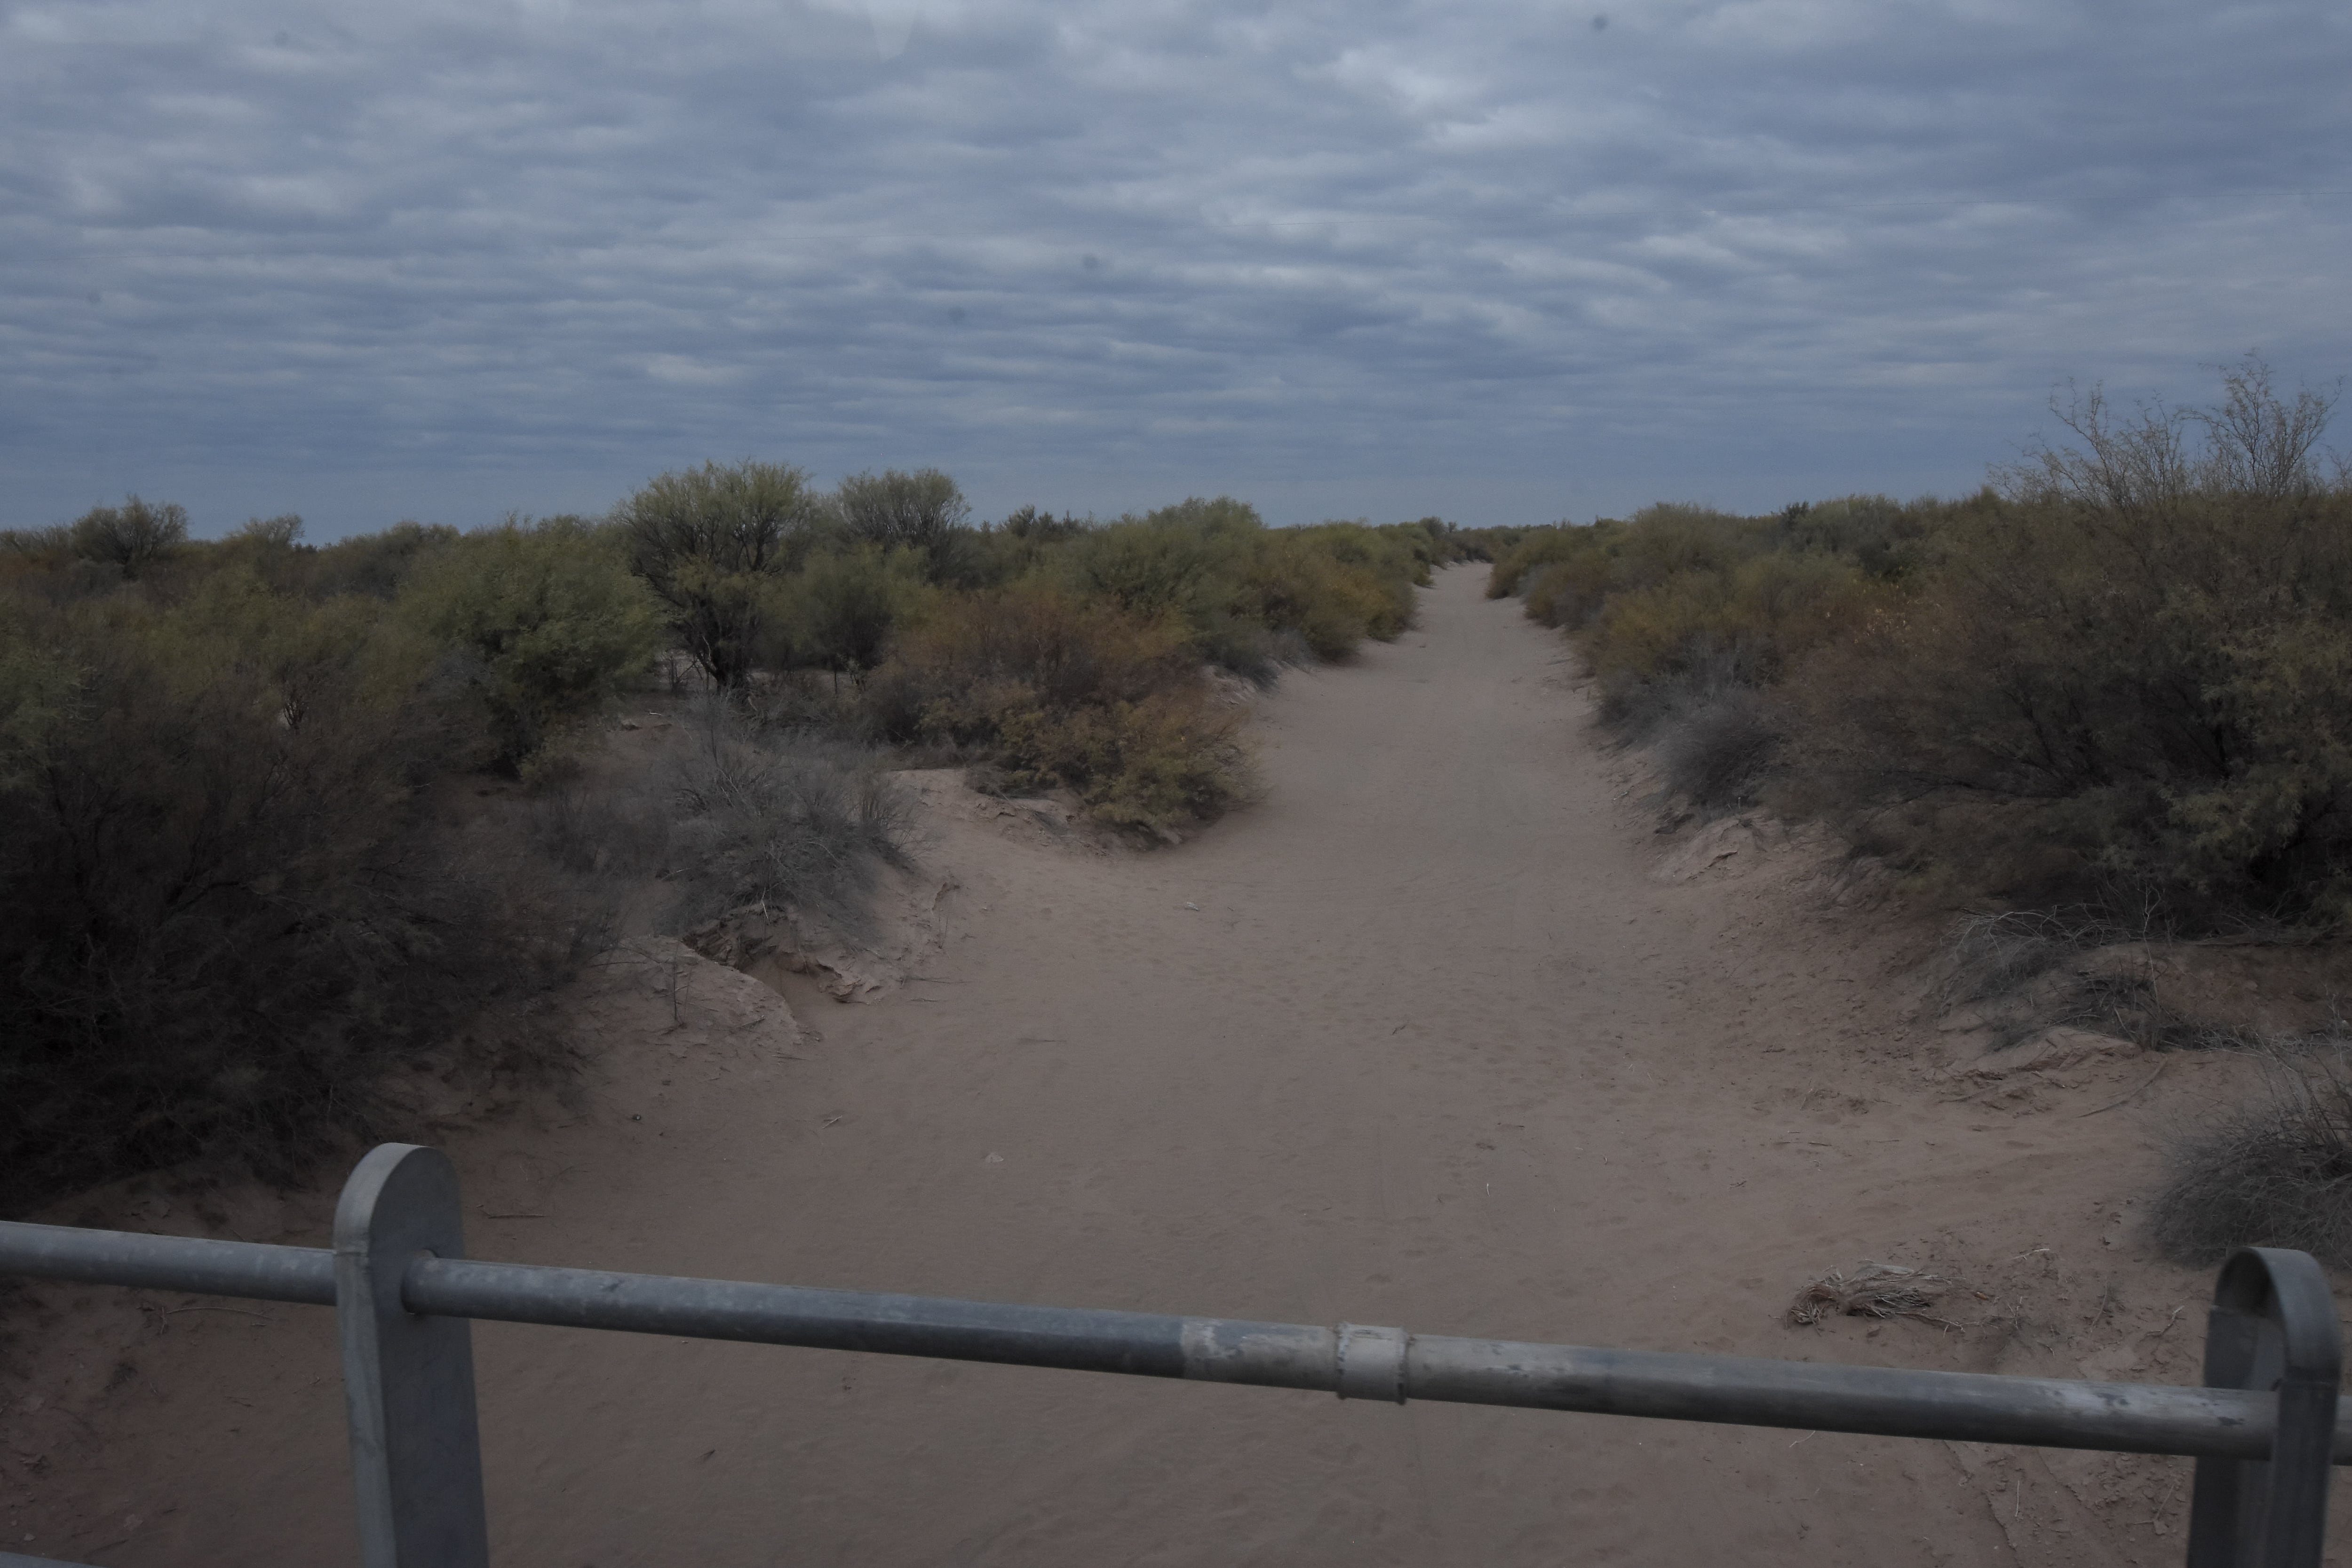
(295, 828)
(2103, 704)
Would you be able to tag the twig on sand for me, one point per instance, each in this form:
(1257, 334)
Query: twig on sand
(2135, 1094)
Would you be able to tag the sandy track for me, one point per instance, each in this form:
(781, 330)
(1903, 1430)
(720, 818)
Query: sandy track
(1438, 1047)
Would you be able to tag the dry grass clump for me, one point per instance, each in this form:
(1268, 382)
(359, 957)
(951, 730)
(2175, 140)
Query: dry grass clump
(2273, 1171)
(1719, 748)
(1994, 954)
(1880, 1290)
(781, 819)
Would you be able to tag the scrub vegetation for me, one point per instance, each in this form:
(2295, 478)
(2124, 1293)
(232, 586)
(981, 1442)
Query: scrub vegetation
(294, 826)
(2103, 704)
(2115, 678)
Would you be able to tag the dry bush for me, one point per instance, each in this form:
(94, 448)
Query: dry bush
(1241, 589)
(1715, 751)
(1303, 582)
(228, 917)
(1167, 759)
(778, 819)
(1062, 651)
(2273, 1171)
(1997, 953)
(2074, 697)
(1062, 691)
(1570, 591)
(1757, 616)
(1534, 550)
(133, 536)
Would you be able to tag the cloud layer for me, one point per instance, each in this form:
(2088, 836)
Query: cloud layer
(1501, 261)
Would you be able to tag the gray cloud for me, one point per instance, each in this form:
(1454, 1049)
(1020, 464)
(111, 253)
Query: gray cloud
(1490, 260)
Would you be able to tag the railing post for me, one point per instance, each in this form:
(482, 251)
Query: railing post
(408, 1379)
(2273, 1327)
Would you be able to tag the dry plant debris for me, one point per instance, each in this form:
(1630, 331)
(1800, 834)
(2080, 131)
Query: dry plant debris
(1872, 1291)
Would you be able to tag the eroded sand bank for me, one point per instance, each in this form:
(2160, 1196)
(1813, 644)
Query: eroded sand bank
(1437, 1034)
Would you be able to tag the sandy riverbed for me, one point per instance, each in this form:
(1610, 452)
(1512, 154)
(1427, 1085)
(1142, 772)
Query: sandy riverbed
(1438, 1034)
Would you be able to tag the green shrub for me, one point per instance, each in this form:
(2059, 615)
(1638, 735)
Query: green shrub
(550, 622)
(1535, 548)
(1759, 613)
(840, 612)
(375, 564)
(1150, 568)
(923, 511)
(710, 542)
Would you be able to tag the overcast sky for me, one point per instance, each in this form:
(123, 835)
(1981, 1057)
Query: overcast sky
(1502, 262)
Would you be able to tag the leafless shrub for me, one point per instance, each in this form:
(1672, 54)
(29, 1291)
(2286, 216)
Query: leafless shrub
(2275, 1171)
(782, 818)
(1994, 955)
(1715, 751)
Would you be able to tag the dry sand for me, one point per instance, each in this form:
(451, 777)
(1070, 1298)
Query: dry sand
(1438, 1034)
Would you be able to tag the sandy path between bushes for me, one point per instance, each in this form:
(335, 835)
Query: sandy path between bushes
(1437, 1034)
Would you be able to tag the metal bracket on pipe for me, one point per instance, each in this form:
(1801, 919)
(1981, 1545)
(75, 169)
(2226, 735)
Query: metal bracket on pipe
(1371, 1364)
(2274, 1328)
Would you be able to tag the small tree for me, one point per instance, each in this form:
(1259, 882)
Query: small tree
(707, 542)
(922, 510)
(131, 535)
(550, 621)
(845, 606)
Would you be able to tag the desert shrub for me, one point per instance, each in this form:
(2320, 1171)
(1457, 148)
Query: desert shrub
(1884, 539)
(1534, 548)
(779, 818)
(2074, 697)
(1289, 583)
(840, 611)
(1757, 615)
(1569, 591)
(923, 511)
(1167, 759)
(1063, 691)
(375, 564)
(2273, 1171)
(132, 536)
(710, 542)
(1717, 749)
(2120, 681)
(1148, 567)
(1064, 651)
(227, 917)
(1384, 564)
(549, 622)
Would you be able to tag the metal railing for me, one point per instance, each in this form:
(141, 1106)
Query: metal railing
(2264, 1430)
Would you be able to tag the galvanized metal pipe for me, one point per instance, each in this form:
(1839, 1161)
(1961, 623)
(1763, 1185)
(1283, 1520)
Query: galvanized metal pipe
(1977, 1407)
(1968, 1407)
(1145, 1344)
(248, 1269)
